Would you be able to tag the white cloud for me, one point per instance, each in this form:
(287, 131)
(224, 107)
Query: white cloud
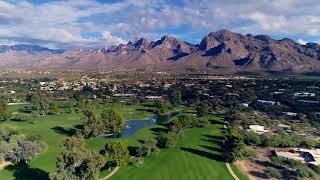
(267, 22)
(111, 40)
(301, 41)
(64, 22)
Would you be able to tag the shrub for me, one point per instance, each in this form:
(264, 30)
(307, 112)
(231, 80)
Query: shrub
(273, 173)
(250, 153)
(22, 117)
(201, 122)
(251, 138)
(136, 161)
(305, 172)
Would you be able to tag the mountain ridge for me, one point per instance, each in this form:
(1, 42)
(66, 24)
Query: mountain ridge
(221, 51)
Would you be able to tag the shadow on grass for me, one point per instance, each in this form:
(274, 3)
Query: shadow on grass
(65, 131)
(218, 138)
(216, 122)
(149, 105)
(209, 155)
(79, 126)
(215, 149)
(146, 110)
(27, 110)
(157, 130)
(23, 171)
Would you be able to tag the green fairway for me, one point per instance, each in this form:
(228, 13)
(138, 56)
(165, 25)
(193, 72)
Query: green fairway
(54, 128)
(197, 155)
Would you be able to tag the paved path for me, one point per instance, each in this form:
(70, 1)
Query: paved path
(13, 104)
(235, 177)
(111, 174)
(4, 164)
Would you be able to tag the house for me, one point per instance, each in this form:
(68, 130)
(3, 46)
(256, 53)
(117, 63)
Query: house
(285, 127)
(233, 94)
(122, 95)
(304, 94)
(257, 129)
(153, 98)
(277, 92)
(12, 92)
(245, 104)
(291, 114)
(264, 102)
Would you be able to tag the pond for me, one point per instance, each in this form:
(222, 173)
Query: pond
(133, 126)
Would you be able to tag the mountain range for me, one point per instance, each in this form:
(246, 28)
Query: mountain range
(221, 52)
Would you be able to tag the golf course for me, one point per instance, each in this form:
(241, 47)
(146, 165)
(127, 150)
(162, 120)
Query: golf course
(196, 156)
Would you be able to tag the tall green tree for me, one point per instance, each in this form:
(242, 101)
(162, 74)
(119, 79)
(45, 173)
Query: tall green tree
(39, 102)
(76, 162)
(54, 108)
(175, 97)
(181, 122)
(162, 107)
(4, 115)
(233, 145)
(202, 109)
(116, 153)
(112, 121)
(92, 125)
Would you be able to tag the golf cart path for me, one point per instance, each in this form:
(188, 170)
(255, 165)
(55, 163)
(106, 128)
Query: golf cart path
(231, 172)
(111, 174)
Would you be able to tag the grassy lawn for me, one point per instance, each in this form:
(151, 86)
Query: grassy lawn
(53, 129)
(197, 155)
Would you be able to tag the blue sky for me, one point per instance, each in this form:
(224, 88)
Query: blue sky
(99, 23)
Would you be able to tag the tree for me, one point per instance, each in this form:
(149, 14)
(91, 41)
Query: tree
(232, 116)
(92, 126)
(54, 108)
(175, 97)
(201, 122)
(233, 145)
(181, 122)
(17, 148)
(148, 147)
(4, 115)
(167, 140)
(24, 150)
(34, 99)
(202, 109)
(162, 107)
(112, 121)
(116, 153)
(43, 104)
(76, 162)
(39, 102)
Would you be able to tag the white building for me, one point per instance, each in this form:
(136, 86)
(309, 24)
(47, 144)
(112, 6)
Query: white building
(264, 102)
(153, 98)
(304, 94)
(257, 129)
